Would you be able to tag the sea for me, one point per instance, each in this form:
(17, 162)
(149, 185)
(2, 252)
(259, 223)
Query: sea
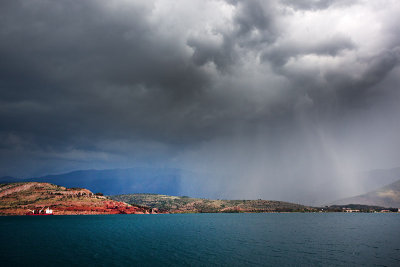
(239, 239)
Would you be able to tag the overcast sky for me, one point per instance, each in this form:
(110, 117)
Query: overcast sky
(269, 99)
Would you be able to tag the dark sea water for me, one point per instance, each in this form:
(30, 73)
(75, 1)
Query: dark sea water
(293, 239)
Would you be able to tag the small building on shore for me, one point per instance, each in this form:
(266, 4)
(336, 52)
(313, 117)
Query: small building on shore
(350, 210)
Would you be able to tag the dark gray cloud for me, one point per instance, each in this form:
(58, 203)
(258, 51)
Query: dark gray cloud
(234, 88)
(90, 68)
(354, 91)
(255, 15)
(281, 53)
(253, 24)
(316, 4)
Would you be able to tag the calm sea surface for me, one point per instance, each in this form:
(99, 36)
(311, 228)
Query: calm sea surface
(291, 239)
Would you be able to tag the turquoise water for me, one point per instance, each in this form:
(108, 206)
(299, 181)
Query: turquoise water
(293, 239)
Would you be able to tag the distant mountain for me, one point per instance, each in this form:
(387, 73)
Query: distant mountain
(116, 181)
(8, 179)
(387, 196)
(170, 181)
(373, 179)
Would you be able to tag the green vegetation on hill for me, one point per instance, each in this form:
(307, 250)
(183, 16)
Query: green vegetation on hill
(186, 204)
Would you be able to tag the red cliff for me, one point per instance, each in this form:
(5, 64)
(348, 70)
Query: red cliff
(19, 198)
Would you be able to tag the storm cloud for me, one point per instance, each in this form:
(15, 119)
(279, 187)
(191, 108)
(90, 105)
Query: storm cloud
(260, 96)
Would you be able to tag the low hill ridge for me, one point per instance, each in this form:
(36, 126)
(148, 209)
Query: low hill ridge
(184, 204)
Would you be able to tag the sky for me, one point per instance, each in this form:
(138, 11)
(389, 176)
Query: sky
(277, 99)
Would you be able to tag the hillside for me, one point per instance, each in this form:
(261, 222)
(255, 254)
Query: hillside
(387, 196)
(186, 204)
(19, 198)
